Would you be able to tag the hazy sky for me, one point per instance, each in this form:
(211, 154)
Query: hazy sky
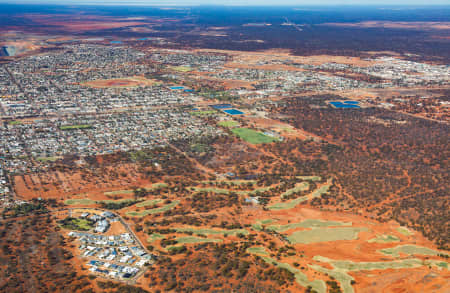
(237, 2)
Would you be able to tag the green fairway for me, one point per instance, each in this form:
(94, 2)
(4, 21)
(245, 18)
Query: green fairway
(341, 276)
(405, 231)
(258, 225)
(211, 189)
(341, 267)
(309, 223)
(367, 266)
(298, 188)
(147, 203)
(193, 239)
(293, 203)
(153, 211)
(74, 127)
(213, 231)
(82, 201)
(287, 205)
(317, 285)
(155, 237)
(408, 249)
(384, 239)
(15, 122)
(252, 136)
(117, 192)
(230, 182)
(309, 178)
(257, 250)
(324, 235)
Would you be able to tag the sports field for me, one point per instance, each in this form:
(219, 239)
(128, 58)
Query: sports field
(253, 136)
(228, 123)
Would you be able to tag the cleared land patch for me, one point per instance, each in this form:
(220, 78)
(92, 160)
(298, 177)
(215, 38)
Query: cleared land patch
(253, 136)
(325, 234)
(127, 82)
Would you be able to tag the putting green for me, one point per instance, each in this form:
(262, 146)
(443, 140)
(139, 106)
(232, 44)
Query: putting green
(325, 235)
(309, 223)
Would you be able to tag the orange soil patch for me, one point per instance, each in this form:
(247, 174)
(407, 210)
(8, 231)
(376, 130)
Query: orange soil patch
(283, 129)
(66, 185)
(274, 55)
(421, 279)
(119, 82)
(80, 23)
